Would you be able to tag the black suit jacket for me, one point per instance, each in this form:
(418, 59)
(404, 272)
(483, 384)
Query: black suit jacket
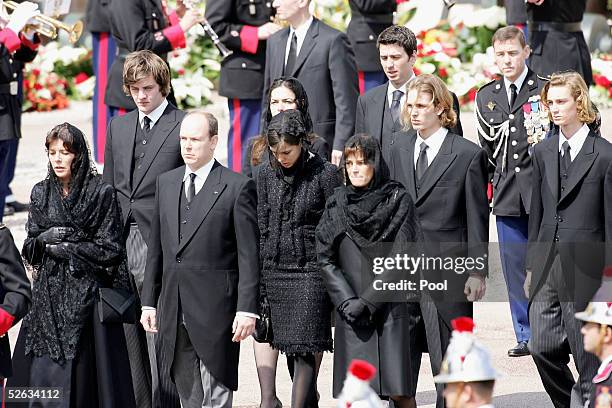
(242, 73)
(136, 197)
(451, 200)
(15, 293)
(369, 116)
(326, 68)
(511, 179)
(214, 269)
(368, 19)
(577, 219)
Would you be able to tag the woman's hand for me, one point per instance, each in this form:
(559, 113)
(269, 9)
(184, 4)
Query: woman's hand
(55, 235)
(355, 311)
(61, 251)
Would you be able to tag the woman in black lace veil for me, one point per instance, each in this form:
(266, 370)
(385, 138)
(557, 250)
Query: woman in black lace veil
(74, 245)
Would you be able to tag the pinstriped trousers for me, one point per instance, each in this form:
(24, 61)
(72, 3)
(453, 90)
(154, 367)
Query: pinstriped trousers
(150, 369)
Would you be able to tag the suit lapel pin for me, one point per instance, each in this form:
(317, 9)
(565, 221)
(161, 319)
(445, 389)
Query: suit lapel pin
(215, 192)
(530, 82)
(497, 86)
(491, 105)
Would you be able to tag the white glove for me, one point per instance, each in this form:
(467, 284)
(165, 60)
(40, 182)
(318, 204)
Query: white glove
(21, 15)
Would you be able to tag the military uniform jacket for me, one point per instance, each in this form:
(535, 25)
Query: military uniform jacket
(368, 19)
(97, 18)
(601, 392)
(139, 25)
(14, 51)
(236, 22)
(509, 155)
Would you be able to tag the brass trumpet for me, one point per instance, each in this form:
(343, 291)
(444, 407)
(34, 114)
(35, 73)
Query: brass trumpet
(49, 26)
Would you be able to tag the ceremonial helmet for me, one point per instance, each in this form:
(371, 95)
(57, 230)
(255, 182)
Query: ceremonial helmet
(597, 312)
(466, 360)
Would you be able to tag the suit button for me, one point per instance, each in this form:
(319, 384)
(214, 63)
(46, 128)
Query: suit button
(560, 219)
(562, 188)
(139, 166)
(178, 259)
(371, 37)
(131, 200)
(144, 142)
(513, 129)
(187, 208)
(514, 143)
(14, 75)
(557, 238)
(181, 236)
(515, 156)
(517, 169)
(141, 155)
(243, 65)
(511, 116)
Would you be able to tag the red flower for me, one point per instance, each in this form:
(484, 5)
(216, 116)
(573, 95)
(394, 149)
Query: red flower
(472, 94)
(36, 71)
(442, 72)
(463, 324)
(181, 71)
(80, 78)
(601, 81)
(610, 95)
(416, 71)
(38, 86)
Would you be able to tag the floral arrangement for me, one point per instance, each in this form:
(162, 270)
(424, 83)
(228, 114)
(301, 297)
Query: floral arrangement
(57, 73)
(601, 91)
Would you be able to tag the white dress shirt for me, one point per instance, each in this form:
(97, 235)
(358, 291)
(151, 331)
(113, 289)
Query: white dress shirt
(300, 33)
(403, 88)
(575, 142)
(201, 176)
(154, 116)
(519, 82)
(434, 142)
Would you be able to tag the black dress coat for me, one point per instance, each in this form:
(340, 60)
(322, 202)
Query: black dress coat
(214, 269)
(451, 200)
(136, 197)
(11, 65)
(390, 344)
(511, 179)
(15, 293)
(576, 218)
(326, 68)
(370, 115)
(97, 16)
(242, 73)
(368, 19)
(135, 25)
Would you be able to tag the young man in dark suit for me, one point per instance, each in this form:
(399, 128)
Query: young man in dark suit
(243, 27)
(322, 59)
(446, 176)
(15, 296)
(510, 122)
(570, 232)
(202, 268)
(140, 146)
(379, 110)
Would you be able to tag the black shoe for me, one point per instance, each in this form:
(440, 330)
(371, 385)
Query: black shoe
(519, 350)
(18, 207)
(8, 211)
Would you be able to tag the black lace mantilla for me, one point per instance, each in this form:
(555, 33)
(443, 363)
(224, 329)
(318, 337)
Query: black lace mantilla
(64, 290)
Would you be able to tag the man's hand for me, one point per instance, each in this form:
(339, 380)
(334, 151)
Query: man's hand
(242, 327)
(336, 157)
(475, 287)
(23, 13)
(148, 319)
(265, 31)
(527, 284)
(191, 18)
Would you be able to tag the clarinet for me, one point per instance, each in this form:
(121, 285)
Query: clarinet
(449, 3)
(223, 50)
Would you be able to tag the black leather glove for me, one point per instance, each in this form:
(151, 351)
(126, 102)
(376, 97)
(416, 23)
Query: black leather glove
(61, 250)
(355, 311)
(54, 235)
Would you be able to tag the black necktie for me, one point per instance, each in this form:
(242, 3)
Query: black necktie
(146, 124)
(512, 95)
(292, 56)
(422, 163)
(395, 105)
(191, 189)
(566, 159)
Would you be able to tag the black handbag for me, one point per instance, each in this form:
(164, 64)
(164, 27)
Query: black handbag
(263, 325)
(117, 305)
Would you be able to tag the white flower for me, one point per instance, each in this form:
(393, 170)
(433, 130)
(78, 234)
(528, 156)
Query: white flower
(44, 94)
(427, 68)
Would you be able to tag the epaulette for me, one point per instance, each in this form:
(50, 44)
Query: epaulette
(605, 374)
(489, 83)
(543, 78)
(2, 226)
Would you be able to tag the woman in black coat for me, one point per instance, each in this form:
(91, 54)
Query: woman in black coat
(291, 192)
(371, 215)
(74, 246)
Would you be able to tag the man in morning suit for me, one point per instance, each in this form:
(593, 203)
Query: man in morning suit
(15, 296)
(446, 176)
(570, 231)
(243, 27)
(203, 267)
(322, 59)
(510, 121)
(140, 146)
(379, 110)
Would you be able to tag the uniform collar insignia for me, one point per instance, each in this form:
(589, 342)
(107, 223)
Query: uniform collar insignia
(491, 105)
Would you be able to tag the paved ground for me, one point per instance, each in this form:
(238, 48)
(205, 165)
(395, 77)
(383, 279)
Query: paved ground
(520, 385)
